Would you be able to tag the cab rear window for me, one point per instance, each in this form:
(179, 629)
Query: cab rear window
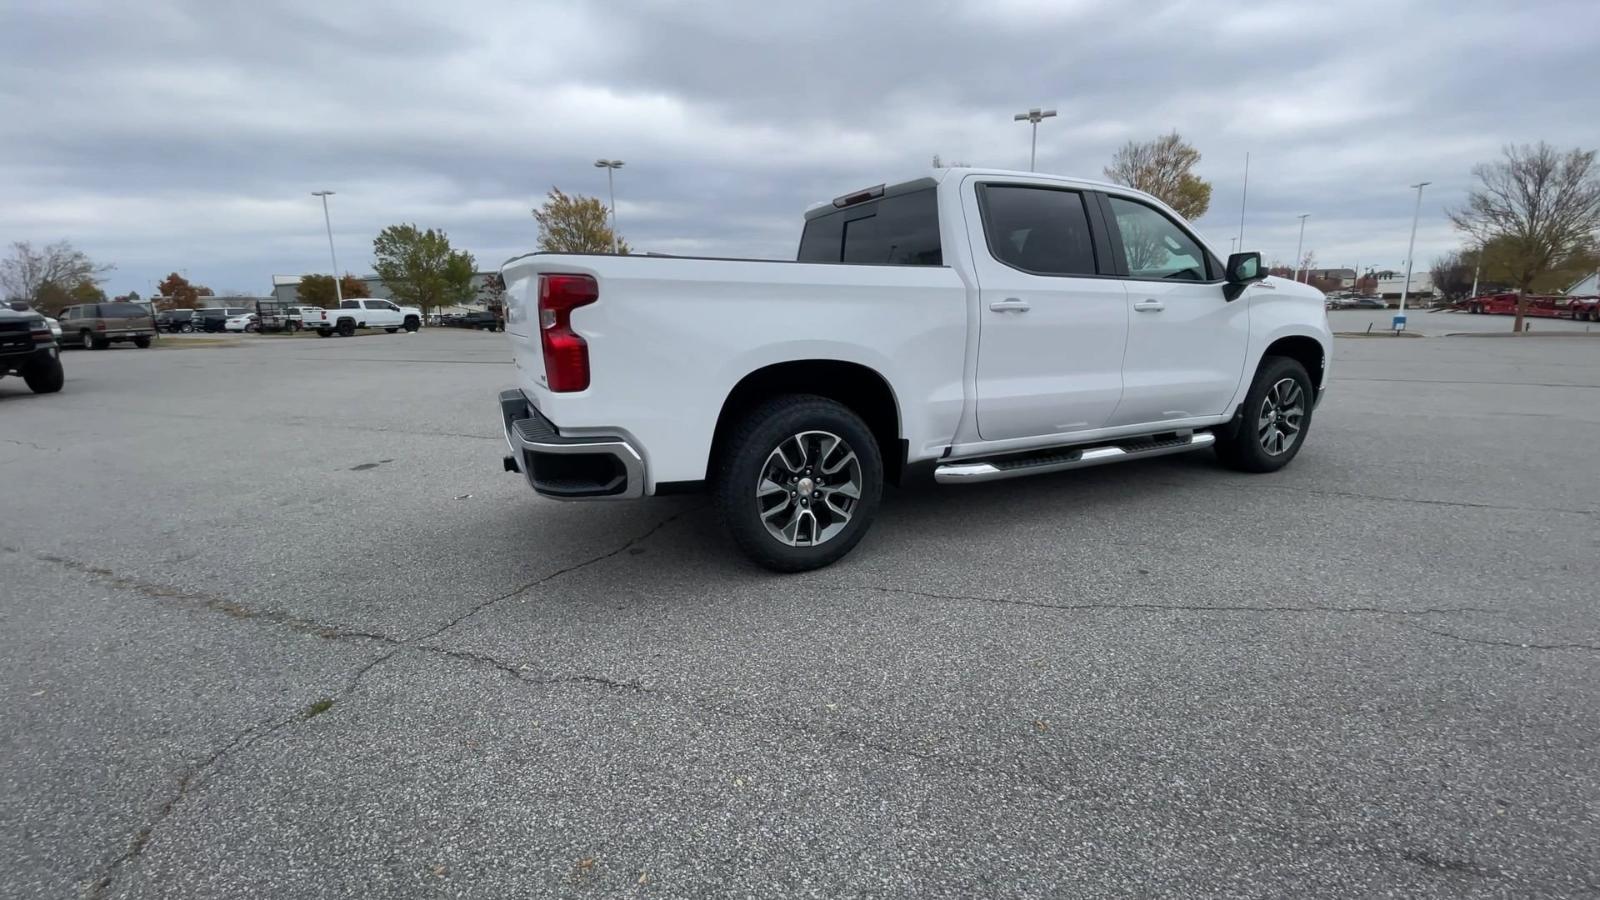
(901, 230)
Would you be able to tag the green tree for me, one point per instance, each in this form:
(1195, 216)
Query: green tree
(1163, 168)
(575, 224)
(86, 292)
(419, 267)
(1536, 211)
(317, 290)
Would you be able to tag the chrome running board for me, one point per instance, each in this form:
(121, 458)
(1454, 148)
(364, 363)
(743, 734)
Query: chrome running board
(1060, 460)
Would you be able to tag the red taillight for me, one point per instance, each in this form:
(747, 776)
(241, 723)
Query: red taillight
(566, 354)
(99, 326)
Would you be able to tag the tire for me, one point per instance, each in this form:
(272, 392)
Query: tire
(1594, 314)
(1260, 442)
(762, 450)
(392, 330)
(45, 376)
(412, 324)
(346, 328)
(86, 338)
(143, 343)
(324, 332)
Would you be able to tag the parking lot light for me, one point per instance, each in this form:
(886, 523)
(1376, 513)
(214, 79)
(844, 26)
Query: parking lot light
(1035, 116)
(338, 295)
(611, 166)
(1411, 249)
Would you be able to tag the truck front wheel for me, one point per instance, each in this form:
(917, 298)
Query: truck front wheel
(412, 324)
(798, 482)
(1276, 414)
(44, 375)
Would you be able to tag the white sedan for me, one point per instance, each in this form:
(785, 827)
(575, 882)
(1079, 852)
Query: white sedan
(247, 322)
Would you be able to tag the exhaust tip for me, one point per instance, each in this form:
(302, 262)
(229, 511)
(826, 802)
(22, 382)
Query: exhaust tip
(510, 463)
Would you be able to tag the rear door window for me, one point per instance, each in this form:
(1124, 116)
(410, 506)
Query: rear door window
(349, 304)
(122, 311)
(1039, 230)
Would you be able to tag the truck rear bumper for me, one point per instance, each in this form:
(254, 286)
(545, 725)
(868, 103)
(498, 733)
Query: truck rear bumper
(590, 467)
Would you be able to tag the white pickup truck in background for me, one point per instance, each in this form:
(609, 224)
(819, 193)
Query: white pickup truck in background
(973, 325)
(365, 313)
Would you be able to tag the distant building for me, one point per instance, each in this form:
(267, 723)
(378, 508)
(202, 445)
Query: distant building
(1345, 277)
(286, 289)
(1390, 284)
(235, 301)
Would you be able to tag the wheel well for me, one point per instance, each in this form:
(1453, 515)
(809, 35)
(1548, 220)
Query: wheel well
(861, 389)
(1304, 350)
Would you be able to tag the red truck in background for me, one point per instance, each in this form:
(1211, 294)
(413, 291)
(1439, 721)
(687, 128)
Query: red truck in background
(1543, 305)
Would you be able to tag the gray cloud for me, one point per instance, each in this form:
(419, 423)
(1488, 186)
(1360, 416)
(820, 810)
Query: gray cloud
(186, 135)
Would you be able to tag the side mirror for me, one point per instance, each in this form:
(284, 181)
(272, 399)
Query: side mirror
(1243, 269)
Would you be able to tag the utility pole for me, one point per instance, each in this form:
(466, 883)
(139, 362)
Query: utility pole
(1035, 115)
(338, 294)
(1411, 249)
(611, 165)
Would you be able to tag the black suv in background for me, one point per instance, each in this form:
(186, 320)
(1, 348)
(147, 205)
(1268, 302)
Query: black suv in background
(174, 321)
(98, 325)
(28, 348)
(213, 318)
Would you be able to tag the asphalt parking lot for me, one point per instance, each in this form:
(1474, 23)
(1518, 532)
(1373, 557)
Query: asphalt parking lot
(275, 624)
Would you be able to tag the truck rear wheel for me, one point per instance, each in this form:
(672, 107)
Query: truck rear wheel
(347, 328)
(798, 482)
(1277, 412)
(324, 332)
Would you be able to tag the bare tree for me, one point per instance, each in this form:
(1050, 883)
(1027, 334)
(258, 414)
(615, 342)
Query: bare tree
(26, 270)
(1540, 206)
(1162, 168)
(1452, 276)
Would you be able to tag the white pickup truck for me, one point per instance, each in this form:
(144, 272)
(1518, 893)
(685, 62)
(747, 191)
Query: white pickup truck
(972, 325)
(367, 313)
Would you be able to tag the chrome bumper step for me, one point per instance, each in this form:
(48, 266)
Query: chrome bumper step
(1060, 460)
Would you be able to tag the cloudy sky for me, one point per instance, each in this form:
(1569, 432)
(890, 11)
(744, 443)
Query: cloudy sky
(161, 134)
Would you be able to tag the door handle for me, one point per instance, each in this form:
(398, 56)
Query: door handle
(1010, 304)
(1149, 306)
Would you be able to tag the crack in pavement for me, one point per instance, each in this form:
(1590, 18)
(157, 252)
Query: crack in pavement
(254, 734)
(32, 444)
(1459, 504)
(1176, 607)
(530, 676)
(213, 602)
(554, 575)
(1495, 642)
(141, 838)
(1205, 608)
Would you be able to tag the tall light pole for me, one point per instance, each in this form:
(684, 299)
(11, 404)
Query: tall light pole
(1035, 115)
(1243, 196)
(337, 293)
(1477, 266)
(611, 166)
(1297, 247)
(1410, 250)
